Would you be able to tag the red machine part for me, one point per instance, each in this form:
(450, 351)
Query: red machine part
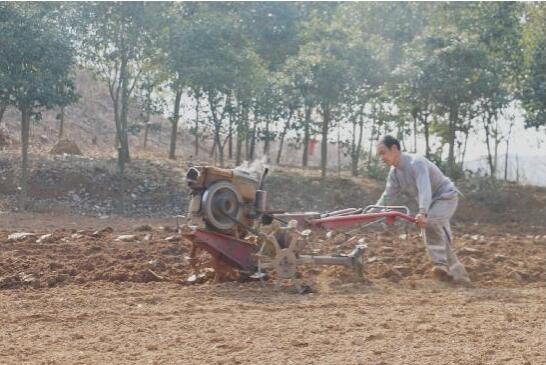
(347, 220)
(236, 252)
(240, 254)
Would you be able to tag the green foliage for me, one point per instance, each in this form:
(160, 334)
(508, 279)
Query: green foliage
(445, 70)
(35, 59)
(533, 91)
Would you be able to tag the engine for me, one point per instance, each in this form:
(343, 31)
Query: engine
(225, 200)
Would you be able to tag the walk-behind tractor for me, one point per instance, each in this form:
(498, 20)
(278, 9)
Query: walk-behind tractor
(228, 218)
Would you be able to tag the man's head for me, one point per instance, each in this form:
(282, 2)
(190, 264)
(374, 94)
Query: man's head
(388, 148)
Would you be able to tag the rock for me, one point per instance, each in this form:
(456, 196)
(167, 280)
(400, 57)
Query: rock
(29, 279)
(475, 265)
(65, 146)
(403, 237)
(102, 232)
(339, 239)
(518, 276)
(499, 257)
(157, 264)
(167, 229)
(56, 279)
(475, 237)
(393, 275)
(126, 238)
(46, 238)
(197, 279)
(387, 249)
(150, 275)
(469, 251)
(172, 239)
(403, 270)
(20, 236)
(143, 228)
(147, 237)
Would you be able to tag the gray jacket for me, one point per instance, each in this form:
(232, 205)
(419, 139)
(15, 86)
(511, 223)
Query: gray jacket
(420, 179)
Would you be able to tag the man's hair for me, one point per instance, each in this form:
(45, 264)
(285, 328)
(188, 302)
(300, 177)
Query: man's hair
(389, 141)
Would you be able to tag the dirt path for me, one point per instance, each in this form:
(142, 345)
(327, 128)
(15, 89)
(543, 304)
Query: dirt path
(161, 323)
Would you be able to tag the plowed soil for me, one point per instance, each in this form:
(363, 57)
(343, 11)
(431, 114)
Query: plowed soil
(83, 297)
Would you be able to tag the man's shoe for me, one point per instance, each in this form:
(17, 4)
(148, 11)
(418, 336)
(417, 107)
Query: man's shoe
(459, 274)
(440, 273)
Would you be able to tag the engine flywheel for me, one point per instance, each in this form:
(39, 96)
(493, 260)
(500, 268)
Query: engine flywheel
(221, 201)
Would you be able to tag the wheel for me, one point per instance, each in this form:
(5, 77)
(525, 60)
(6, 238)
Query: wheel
(221, 201)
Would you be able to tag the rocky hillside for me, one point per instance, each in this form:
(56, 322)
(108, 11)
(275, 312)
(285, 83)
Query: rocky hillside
(156, 188)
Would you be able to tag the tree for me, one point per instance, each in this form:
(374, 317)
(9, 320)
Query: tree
(210, 53)
(115, 41)
(152, 103)
(454, 71)
(334, 62)
(497, 28)
(35, 64)
(533, 88)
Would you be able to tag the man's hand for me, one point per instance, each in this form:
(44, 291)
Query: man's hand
(421, 220)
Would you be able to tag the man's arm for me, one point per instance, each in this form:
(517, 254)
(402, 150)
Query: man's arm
(392, 189)
(423, 187)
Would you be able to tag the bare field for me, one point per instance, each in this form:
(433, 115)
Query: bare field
(84, 297)
(163, 323)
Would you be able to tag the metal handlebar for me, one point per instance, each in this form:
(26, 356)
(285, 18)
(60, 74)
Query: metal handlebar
(388, 208)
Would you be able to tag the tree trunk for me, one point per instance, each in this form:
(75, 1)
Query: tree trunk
(219, 146)
(414, 133)
(124, 80)
(61, 123)
(486, 124)
(2, 111)
(496, 155)
(354, 163)
(306, 135)
(283, 134)
(25, 132)
(241, 128)
(427, 135)
(506, 160)
(217, 125)
(507, 145)
(338, 151)
(212, 152)
(451, 167)
(463, 155)
(517, 169)
(356, 160)
(266, 137)
(196, 151)
(174, 123)
(146, 129)
(253, 137)
(115, 102)
(230, 136)
(372, 140)
(326, 118)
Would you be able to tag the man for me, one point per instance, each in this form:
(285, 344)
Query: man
(437, 197)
